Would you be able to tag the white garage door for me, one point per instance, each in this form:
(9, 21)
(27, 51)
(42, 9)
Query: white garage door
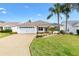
(27, 30)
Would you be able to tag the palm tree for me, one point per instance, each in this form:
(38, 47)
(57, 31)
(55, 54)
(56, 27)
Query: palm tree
(55, 10)
(75, 6)
(66, 9)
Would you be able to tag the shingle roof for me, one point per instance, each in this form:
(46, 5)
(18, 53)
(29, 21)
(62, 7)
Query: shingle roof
(56, 24)
(1, 24)
(77, 24)
(28, 24)
(10, 24)
(73, 23)
(36, 23)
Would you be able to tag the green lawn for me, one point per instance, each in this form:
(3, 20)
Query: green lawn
(56, 45)
(4, 34)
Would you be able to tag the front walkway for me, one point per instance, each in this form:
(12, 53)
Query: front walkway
(16, 45)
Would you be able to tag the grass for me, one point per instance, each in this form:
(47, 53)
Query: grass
(4, 35)
(56, 45)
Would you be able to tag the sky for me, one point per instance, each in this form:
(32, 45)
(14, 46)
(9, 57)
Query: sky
(22, 12)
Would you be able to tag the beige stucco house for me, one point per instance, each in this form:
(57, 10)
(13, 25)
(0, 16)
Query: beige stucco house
(27, 27)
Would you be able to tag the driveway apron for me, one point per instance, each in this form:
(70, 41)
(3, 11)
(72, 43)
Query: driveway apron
(16, 45)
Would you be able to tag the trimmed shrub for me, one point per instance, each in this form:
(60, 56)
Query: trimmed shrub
(62, 32)
(40, 35)
(6, 31)
(71, 33)
(13, 32)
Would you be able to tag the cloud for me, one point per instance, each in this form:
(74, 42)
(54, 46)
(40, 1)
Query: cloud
(4, 12)
(2, 9)
(39, 15)
(26, 6)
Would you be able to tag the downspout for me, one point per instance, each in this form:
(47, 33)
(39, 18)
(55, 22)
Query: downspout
(37, 30)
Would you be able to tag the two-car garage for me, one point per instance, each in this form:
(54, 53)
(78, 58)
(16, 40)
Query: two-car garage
(27, 30)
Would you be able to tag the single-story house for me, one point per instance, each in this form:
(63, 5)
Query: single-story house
(27, 27)
(72, 26)
(9, 25)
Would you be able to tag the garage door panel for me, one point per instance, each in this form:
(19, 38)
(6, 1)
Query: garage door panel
(27, 30)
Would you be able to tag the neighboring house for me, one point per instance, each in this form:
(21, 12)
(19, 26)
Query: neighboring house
(72, 26)
(28, 27)
(9, 25)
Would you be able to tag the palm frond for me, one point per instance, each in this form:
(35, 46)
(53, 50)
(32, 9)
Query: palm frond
(49, 16)
(52, 10)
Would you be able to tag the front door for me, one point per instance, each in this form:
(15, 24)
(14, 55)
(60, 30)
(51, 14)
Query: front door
(46, 29)
(78, 32)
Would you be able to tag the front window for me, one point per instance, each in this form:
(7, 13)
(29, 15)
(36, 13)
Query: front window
(7, 27)
(40, 28)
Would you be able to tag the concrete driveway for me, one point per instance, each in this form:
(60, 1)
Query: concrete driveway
(16, 45)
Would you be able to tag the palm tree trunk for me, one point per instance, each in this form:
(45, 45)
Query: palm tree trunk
(58, 22)
(66, 24)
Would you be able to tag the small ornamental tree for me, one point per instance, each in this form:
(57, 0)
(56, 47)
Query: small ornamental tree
(51, 29)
